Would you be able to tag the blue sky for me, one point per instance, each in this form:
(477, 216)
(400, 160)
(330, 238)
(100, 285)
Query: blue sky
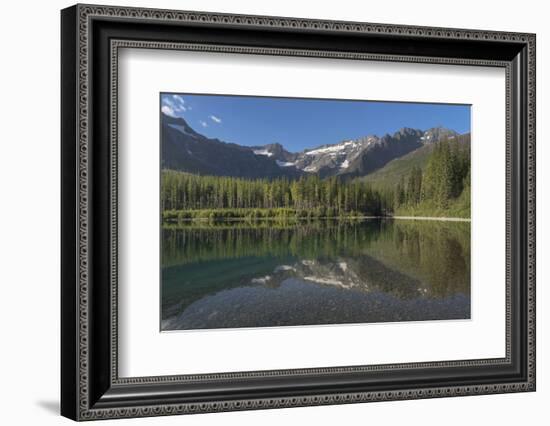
(306, 123)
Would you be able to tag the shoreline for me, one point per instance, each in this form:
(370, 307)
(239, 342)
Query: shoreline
(445, 219)
(244, 219)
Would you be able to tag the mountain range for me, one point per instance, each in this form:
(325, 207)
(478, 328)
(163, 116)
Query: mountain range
(186, 150)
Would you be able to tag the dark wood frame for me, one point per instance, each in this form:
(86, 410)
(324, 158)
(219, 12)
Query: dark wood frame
(91, 37)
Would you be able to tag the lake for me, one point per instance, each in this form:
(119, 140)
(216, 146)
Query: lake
(268, 273)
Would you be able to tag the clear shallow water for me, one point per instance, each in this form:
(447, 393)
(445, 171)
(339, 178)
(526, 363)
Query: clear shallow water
(239, 274)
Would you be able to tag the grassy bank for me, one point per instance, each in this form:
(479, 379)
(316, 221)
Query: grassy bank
(288, 215)
(174, 216)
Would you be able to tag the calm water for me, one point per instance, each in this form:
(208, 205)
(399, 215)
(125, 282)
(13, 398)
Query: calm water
(327, 272)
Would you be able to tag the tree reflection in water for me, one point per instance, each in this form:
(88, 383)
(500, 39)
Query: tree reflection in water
(220, 275)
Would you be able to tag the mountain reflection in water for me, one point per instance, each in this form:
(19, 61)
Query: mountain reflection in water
(304, 273)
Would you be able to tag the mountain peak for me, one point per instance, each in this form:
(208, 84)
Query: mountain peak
(275, 151)
(437, 133)
(172, 119)
(407, 132)
(179, 123)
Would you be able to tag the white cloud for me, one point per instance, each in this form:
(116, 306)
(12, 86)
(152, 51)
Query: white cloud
(180, 102)
(215, 119)
(168, 101)
(168, 111)
(175, 103)
(203, 123)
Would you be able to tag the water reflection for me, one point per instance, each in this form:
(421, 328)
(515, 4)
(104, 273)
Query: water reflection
(326, 272)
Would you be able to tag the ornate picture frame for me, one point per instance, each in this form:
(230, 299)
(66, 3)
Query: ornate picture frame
(91, 37)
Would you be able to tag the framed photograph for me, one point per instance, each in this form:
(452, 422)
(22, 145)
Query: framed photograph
(263, 212)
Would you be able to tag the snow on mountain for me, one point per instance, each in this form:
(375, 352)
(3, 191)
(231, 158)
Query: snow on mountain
(284, 163)
(332, 149)
(263, 152)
